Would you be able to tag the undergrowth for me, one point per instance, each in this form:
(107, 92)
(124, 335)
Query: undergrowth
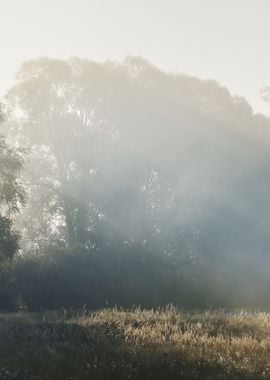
(134, 344)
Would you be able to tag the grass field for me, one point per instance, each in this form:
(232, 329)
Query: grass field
(136, 344)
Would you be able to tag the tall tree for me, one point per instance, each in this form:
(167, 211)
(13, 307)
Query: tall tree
(80, 172)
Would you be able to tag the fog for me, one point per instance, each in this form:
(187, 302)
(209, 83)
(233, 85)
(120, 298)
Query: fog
(225, 41)
(141, 187)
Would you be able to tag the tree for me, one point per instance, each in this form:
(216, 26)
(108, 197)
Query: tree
(11, 198)
(121, 150)
(77, 172)
(134, 167)
(11, 201)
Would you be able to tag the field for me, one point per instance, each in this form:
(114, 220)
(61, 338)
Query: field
(135, 344)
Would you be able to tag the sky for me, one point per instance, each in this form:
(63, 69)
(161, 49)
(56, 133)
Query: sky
(225, 40)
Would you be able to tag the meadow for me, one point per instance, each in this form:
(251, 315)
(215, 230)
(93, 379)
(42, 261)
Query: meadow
(134, 344)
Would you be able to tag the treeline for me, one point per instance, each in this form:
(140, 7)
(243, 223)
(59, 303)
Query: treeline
(122, 184)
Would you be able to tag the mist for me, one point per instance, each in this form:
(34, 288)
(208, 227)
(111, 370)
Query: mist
(141, 187)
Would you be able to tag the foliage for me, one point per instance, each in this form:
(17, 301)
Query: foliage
(11, 200)
(9, 239)
(142, 187)
(11, 197)
(60, 277)
(11, 190)
(109, 145)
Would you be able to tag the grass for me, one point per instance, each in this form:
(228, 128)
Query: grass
(135, 344)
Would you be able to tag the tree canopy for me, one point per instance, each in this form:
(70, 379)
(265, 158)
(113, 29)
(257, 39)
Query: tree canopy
(138, 179)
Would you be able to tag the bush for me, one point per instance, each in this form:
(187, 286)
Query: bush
(61, 277)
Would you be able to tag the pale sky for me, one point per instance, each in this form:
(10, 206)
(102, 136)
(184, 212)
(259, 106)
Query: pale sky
(226, 40)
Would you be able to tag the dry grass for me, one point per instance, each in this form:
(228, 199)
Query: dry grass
(137, 344)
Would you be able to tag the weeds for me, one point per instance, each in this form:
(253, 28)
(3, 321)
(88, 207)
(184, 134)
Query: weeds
(134, 344)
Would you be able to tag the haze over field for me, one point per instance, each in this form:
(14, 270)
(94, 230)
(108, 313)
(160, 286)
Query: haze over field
(134, 189)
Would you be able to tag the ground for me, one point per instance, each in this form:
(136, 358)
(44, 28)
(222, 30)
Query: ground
(135, 344)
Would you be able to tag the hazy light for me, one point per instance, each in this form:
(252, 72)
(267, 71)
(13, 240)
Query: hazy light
(223, 40)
